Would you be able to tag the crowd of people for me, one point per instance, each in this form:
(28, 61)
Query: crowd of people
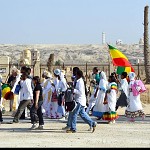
(49, 97)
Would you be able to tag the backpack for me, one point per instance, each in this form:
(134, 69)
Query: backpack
(138, 87)
(70, 103)
(69, 95)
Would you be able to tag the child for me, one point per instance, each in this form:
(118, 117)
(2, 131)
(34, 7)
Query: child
(92, 100)
(111, 97)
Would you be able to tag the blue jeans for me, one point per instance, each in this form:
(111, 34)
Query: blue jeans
(69, 119)
(81, 111)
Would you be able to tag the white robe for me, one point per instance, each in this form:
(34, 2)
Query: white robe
(124, 86)
(99, 106)
(112, 98)
(16, 97)
(54, 105)
(46, 97)
(134, 103)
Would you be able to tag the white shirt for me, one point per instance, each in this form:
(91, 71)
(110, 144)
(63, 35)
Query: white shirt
(124, 86)
(48, 87)
(26, 92)
(80, 92)
(62, 85)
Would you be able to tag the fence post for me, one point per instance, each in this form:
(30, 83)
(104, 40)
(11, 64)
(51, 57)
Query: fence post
(138, 76)
(63, 66)
(40, 70)
(86, 72)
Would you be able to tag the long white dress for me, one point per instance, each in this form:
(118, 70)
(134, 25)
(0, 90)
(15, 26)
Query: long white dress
(111, 114)
(54, 102)
(134, 107)
(16, 97)
(99, 107)
(47, 92)
(62, 87)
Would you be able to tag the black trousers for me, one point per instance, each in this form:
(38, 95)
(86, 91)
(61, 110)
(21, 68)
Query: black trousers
(1, 119)
(34, 113)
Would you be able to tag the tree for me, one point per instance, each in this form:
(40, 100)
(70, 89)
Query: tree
(58, 63)
(146, 46)
(50, 63)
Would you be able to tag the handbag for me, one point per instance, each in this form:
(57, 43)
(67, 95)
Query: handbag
(17, 89)
(70, 106)
(138, 87)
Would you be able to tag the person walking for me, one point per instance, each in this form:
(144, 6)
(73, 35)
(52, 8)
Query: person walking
(26, 95)
(62, 87)
(80, 98)
(110, 114)
(122, 100)
(68, 125)
(134, 107)
(11, 81)
(36, 109)
(100, 93)
(47, 92)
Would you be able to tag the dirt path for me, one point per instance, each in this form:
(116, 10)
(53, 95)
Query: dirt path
(121, 134)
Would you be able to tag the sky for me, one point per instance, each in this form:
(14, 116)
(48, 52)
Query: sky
(71, 21)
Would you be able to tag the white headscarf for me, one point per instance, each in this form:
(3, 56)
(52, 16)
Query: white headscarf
(103, 76)
(62, 75)
(132, 76)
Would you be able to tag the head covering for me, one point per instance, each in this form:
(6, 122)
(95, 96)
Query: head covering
(132, 76)
(57, 72)
(14, 69)
(103, 75)
(62, 75)
(44, 72)
(48, 74)
(63, 71)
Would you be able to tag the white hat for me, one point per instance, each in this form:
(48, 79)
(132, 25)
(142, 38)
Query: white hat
(57, 71)
(14, 69)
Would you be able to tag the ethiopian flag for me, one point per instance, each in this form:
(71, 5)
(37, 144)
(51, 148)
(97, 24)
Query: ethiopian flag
(124, 69)
(120, 60)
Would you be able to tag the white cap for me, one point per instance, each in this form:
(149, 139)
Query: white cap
(57, 71)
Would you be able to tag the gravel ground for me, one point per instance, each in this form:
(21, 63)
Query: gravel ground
(120, 134)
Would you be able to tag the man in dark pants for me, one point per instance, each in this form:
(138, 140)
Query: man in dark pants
(36, 109)
(27, 70)
(26, 95)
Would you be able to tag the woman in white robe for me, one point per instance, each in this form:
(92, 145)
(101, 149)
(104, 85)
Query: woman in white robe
(134, 107)
(16, 97)
(47, 93)
(99, 107)
(54, 99)
(62, 87)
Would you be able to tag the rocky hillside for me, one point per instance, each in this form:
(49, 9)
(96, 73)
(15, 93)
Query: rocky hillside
(72, 53)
